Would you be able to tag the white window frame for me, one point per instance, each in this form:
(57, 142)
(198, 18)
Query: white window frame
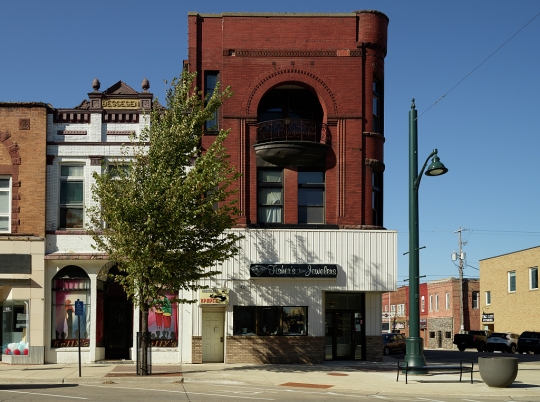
(423, 303)
(488, 297)
(437, 302)
(510, 274)
(448, 301)
(430, 302)
(71, 179)
(531, 285)
(475, 299)
(9, 197)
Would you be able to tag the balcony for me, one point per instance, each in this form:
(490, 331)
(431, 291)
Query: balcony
(292, 142)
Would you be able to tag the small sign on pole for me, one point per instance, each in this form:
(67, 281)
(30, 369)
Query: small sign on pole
(79, 307)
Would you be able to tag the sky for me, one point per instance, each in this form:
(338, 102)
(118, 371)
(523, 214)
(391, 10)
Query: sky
(471, 66)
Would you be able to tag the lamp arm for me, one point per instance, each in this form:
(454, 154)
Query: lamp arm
(417, 181)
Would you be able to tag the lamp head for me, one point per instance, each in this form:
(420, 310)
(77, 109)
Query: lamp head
(436, 168)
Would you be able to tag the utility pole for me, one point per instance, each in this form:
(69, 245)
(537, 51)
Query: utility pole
(461, 257)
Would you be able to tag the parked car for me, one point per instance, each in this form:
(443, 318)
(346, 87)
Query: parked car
(502, 341)
(529, 342)
(472, 339)
(393, 343)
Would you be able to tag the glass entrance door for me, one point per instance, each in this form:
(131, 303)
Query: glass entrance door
(343, 335)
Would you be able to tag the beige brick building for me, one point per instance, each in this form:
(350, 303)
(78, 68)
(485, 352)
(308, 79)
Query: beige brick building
(509, 291)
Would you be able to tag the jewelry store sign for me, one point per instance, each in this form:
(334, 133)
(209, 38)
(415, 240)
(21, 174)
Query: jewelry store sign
(214, 296)
(312, 271)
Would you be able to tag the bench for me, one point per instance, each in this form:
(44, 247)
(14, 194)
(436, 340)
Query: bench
(465, 366)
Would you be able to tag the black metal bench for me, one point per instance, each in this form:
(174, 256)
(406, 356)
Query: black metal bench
(465, 366)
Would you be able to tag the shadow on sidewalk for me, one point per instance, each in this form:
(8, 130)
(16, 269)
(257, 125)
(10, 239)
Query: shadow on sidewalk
(6, 387)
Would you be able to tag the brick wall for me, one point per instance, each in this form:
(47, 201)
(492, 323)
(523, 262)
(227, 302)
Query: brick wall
(196, 349)
(275, 350)
(513, 311)
(374, 348)
(336, 56)
(22, 156)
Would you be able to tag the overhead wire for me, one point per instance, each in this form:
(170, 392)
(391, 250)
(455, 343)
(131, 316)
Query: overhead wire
(479, 65)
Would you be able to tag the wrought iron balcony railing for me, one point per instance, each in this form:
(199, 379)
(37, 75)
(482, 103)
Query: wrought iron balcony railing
(292, 130)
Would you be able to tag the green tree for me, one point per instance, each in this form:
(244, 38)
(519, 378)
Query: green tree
(156, 213)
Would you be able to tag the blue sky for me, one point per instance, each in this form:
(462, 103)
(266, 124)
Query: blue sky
(486, 126)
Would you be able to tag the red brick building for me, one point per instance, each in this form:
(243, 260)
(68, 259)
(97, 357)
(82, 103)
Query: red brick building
(307, 135)
(305, 88)
(439, 310)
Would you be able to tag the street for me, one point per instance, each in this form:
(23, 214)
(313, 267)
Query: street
(209, 392)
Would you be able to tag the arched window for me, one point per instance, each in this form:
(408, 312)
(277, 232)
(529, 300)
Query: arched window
(69, 285)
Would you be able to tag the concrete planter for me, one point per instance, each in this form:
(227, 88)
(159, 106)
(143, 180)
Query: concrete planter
(498, 372)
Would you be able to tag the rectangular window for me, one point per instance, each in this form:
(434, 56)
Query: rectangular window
(270, 320)
(430, 302)
(512, 281)
(423, 303)
(270, 196)
(436, 302)
(448, 301)
(71, 197)
(475, 299)
(377, 198)
(5, 204)
(210, 81)
(311, 197)
(488, 297)
(377, 106)
(15, 327)
(533, 278)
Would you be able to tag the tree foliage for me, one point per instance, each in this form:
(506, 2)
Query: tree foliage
(156, 214)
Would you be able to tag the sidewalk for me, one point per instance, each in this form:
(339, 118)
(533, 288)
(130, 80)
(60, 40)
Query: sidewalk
(344, 376)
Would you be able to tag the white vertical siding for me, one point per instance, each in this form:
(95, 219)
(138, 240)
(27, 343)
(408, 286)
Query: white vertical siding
(366, 263)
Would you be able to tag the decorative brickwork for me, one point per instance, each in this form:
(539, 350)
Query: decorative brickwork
(274, 349)
(374, 348)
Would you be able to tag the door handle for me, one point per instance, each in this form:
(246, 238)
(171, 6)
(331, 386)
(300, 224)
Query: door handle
(221, 339)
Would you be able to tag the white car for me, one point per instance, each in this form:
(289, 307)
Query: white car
(502, 341)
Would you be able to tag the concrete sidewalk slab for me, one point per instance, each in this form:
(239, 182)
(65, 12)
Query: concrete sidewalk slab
(362, 377)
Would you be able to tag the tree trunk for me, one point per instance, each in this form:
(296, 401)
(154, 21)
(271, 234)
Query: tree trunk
(144, 342)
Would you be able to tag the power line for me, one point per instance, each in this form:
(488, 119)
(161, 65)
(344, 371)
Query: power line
(478, 66)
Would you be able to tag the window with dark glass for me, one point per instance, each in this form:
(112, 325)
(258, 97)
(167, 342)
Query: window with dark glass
(71, 197)
(270, 196)
(475, 299)
(270, 320)
(533, 278)
(377, 106)
(210, 81)
(289, 102)
(377, 198)
(512, 281)
(311, 197)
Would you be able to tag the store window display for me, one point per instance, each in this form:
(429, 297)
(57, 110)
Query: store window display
(70, 284)
(15, 329)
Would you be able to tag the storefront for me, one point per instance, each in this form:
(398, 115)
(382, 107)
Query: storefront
(21, 302)
(293, 312)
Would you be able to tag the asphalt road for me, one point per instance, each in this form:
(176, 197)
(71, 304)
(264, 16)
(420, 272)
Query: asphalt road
(206, 392)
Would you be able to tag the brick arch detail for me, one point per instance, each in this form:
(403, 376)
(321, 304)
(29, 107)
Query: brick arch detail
(13, 149)
(308, 77)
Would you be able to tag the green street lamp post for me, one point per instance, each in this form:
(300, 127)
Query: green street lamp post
(415, 348)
